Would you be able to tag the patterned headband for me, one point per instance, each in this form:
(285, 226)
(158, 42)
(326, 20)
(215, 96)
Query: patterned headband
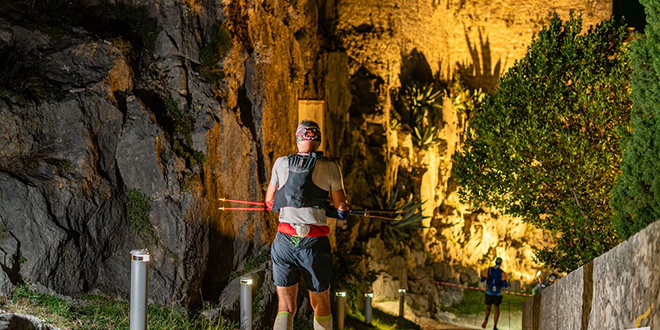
(308, 133)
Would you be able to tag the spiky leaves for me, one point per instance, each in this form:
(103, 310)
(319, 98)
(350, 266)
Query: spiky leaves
(423, 114)
(396, 232)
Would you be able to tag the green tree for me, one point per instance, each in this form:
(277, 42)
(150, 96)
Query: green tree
(544, 147)
(636, 196)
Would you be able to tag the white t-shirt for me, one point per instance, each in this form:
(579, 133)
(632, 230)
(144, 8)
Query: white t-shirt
(326, 175)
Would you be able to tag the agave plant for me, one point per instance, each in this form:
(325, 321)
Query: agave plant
(396, 231)
(464, 100)
(423, 101)
(424, 113)
(426, 136)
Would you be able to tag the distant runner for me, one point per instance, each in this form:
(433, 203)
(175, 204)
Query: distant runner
(495, 279)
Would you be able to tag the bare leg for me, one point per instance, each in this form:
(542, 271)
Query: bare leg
(286, 307)
(497, 315)
(320, 302)
(483, 325)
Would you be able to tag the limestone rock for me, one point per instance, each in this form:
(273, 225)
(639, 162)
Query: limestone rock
(10, 321)
(445, 316)
(419, 304)
(385, 287)
(450, 296)
(81, 63)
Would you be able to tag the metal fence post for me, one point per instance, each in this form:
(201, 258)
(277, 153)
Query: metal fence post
(246, 302)
(341, 309)
(139, 289)
(367, 307)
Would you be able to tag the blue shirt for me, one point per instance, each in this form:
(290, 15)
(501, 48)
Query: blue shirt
(495, 280)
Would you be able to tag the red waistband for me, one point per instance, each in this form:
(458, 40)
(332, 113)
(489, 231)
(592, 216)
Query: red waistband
(314, 231)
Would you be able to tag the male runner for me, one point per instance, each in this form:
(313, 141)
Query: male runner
(300, 189)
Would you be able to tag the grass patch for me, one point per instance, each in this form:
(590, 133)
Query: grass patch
(216, 48)
(187, 181)
(256, 261)
(19, 75)
(137, 214)
(473, 303)
(252, 264)
(182, 124)
(96, 312)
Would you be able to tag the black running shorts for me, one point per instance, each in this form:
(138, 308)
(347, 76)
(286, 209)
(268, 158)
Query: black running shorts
(493, 300)
(294, 256)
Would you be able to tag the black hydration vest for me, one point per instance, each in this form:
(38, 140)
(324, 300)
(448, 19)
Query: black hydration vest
(299, 190)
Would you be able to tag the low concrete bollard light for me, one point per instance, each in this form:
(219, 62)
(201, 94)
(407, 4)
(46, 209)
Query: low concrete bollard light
(367, 307)
(246, 302)
(139, 289)
(341, 309)
(402, 301)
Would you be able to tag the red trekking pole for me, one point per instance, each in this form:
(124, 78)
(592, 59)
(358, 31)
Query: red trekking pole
(238, 201)
(392, 215)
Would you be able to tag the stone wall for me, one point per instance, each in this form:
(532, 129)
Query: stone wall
(618, 290)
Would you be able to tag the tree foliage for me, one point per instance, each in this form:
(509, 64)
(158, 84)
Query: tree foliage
(544, 146)
(636, 196)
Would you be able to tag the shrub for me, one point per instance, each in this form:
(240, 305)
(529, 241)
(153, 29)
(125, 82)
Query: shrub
(20, 76)
(217, 46)
(137, 215)
(636, 196)
(544, 146)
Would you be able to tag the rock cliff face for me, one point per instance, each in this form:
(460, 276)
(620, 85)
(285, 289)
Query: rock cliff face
(131, 151)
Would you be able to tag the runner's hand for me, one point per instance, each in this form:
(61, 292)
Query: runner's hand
(268, 205)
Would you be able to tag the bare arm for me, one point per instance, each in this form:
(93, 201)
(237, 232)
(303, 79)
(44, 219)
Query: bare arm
(339, 200)
(270, 192)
